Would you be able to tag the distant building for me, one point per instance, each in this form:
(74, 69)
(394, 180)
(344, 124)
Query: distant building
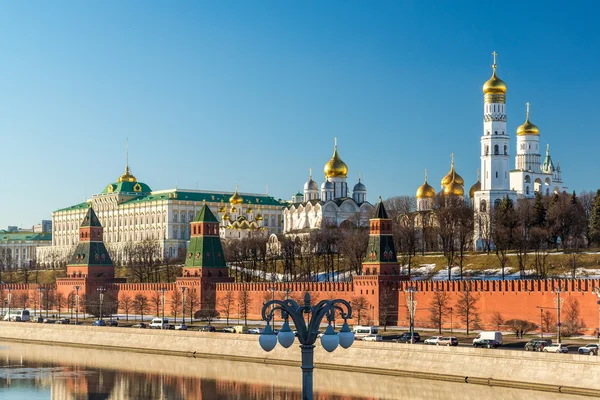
(131, 212)
(44, 227)
(18, 249)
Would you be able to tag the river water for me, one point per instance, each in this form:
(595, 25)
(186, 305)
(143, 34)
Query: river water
(53, 372)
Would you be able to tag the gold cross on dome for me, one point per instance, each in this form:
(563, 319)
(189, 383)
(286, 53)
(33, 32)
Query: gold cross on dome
(494, 54)
(527, 107)
(452, 155)
(426, 175)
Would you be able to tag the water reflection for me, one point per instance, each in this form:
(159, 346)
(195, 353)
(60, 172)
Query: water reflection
(51, 372)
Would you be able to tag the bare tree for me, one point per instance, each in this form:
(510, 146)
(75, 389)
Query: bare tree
(353, 247)
(244, 304)
(497, 320)
(176, 300)
(446, 223)
(521, 326)
(22, 300)
(141, 305)
(59, 301)
(388, 306)
(127, 304)
(466, 307)
(522, 233)
(156, 300)
(359, 305)
(399, 205)
(572, 323)
(503, 234)
(548, 321)
(406, 238)
(438, 309)
(226, 304)
(192, 300)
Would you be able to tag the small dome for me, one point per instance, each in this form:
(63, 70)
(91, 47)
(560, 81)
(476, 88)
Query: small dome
(359, 187)
(425, 191)
(454, 189)
(236, 198)
(127, 177)
(494, 85)
(259, 217)
(335, 167)
(225, 217)
(327, 185)
(528, 129)
(475, 188)
(311, 185)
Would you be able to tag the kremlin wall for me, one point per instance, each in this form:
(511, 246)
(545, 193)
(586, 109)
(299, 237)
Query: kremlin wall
(206, 278)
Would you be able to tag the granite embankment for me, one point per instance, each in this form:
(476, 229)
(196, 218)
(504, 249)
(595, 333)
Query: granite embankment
(566, 373)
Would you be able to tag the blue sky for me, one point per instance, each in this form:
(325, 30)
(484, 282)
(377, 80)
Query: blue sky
(217, 93)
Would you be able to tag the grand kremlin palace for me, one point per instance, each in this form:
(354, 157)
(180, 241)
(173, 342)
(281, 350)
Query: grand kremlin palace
(131, 212)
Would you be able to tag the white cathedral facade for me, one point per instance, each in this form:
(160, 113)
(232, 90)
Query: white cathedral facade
(333, 206)
(532, 173)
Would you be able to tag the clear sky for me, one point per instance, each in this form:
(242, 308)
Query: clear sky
(217, 93)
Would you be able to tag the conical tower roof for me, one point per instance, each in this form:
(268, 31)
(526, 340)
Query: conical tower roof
(90, 219)
(380, 212)
(205, 215)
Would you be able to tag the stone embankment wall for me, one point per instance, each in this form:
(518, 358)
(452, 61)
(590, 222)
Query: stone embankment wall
(568, 373)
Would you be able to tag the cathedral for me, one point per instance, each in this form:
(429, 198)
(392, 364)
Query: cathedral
(532, 173)
(312, 210)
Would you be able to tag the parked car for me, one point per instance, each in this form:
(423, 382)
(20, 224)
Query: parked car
(589, 349)
(99, 322)
(171, 327)
(240, 329)
(487, 343)
(537, 344)
(49, 321)
(159, 323)
(489, 335)
(448, 341)
(141, 325)
(181, 327)
(556, 348)
(405, 338)
(228, 329)
(432, 340)
(255, 331)
(373, 338)
(208, 328)
(112, 322)
(63, 321)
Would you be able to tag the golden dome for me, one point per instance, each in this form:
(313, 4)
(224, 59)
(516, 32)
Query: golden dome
(475, 188)
(335, 167)
(494, 85)
(454, 189)
(250, 210)
(259, 217)
(127, 177)
(452, 176)
(226, 217)
(425, 191)
(236, 198)
(528, 128)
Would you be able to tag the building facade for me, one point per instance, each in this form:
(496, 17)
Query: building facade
(18, 250)
(333, 206)
(131, 212)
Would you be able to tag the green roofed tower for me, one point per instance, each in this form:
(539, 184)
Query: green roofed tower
(91, 258)
(381, 256)
(205, 255)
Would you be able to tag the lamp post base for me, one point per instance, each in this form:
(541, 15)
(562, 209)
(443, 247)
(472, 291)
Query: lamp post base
(307, 371)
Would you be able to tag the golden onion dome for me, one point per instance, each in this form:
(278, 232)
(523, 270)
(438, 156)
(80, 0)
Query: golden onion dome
(454, 189)
(425, 191)
(236, 198)
(335, 167)
(225, 217)
(452, 176)
(475, 188)
(127, 177)
(250, 210)
(494, 85)
(528, 128)
(259, 217)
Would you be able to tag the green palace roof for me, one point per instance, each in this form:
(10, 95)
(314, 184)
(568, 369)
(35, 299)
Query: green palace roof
(24, 236)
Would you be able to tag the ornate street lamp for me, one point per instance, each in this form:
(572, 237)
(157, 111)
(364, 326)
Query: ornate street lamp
(101, 289)
(77, 305)
(307, 333)
(183, 305)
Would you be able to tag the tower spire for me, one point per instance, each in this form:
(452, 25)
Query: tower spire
(495, 55)
(425, 174)
(127, 154)
(478, 174)
(335, 142)
(310, 173)
(527, 110)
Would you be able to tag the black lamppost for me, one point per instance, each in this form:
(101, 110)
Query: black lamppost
(307, 333)
(101, 289)
(183, 305)
(77, 304)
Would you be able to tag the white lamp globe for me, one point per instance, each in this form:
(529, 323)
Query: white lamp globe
(330, 339)
(286, 336)
(268, 339)
(346, 336)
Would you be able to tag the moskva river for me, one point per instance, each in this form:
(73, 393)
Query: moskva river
(53, 372)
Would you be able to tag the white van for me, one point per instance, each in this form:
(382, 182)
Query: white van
(362, 331)
(488, 335)
(17, 315)
(159, 323)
